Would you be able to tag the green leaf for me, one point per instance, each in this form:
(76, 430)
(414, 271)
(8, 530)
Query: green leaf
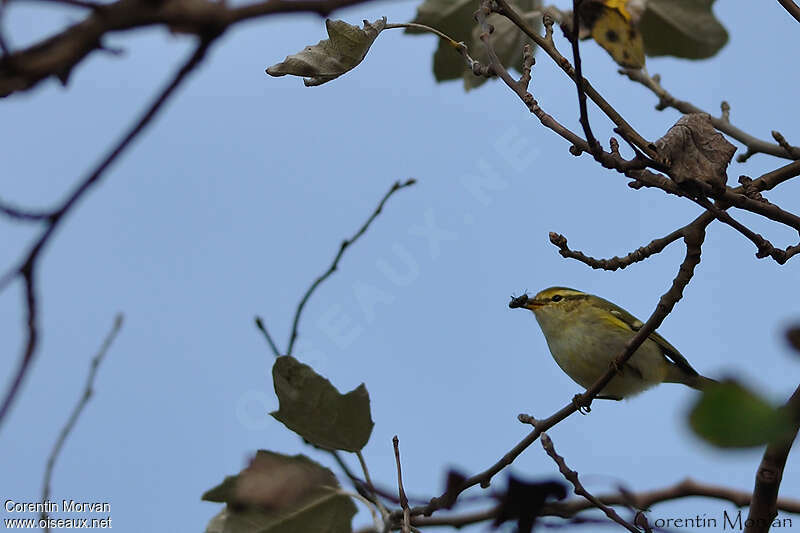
(455, 19)
(281, 494)
(729, 415)
(682, 28)
(313, 408)
(452, 17)
(345, 48)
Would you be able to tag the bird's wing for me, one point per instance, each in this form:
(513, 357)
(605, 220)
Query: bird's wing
(667, 349)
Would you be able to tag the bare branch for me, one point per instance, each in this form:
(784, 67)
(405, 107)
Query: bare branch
(401, 491)
(646, 499)
(762, 207)
(76, 412)
(374, 493)
(32, 328)
(607, 159)
(263, 329)
(741, 197)
(753, 144)
(776, 177)
(58, 55)
(640, 254)
(764, 247)
(579, 80)
(638, 500)
(791, 8)
(27, 269)
(345, 244)
(693, 237)
(548, 46)
(572, 476)
(458, 46)
(23, 214)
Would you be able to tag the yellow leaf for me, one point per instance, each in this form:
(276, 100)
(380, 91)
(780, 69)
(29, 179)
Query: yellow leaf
(613, 28)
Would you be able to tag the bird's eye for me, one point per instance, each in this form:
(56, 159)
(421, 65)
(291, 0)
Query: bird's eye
(556, 297)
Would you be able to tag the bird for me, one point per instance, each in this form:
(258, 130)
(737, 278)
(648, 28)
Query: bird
(585, 333)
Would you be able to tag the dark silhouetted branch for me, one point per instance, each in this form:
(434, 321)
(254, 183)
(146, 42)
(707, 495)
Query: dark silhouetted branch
(580, 82)
(28, 266)
(58, 54)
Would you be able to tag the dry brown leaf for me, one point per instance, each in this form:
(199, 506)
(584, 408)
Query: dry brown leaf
(695, 151)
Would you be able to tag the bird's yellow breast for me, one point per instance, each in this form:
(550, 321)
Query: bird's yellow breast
(585, 345)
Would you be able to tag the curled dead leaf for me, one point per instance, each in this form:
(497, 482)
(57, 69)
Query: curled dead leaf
(345, 48)
(695, 151)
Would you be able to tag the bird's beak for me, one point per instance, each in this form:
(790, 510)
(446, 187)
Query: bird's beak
(525, 302)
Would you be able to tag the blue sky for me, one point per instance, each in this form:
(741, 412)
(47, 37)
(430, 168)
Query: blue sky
(237, 197)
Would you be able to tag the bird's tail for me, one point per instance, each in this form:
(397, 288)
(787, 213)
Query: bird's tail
(696, 381)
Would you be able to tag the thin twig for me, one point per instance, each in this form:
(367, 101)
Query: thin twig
(763, 246)
(76, 412)
(634, 168)
(361, 485)
(365, 487)
(331, 269)
(507, 10)
(376, 499)
(23, 214)
(400, 490)
(611, 159)
(263, 329)
(572, 476)
(459, 46)
(754, 145)
(579, 81)
(27, 267)
(640, 254)
(32, 337)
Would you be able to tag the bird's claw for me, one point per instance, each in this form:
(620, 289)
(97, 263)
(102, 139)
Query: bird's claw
(581, 405)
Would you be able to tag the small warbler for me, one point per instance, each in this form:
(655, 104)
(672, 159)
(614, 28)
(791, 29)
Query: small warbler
(586, 333)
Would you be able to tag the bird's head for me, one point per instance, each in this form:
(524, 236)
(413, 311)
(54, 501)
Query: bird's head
(553, 304)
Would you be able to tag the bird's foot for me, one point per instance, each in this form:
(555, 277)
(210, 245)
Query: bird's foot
(582, 405)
